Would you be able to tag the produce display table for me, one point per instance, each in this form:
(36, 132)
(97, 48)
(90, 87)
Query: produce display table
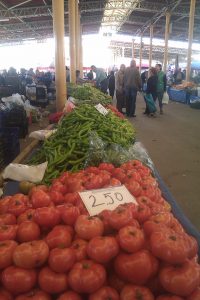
(181, 96)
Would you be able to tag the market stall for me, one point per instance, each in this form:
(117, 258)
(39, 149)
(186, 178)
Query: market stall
(182, 92)
(99, 222)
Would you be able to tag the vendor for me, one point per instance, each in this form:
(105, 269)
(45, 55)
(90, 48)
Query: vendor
(79, 80)
(101, 79)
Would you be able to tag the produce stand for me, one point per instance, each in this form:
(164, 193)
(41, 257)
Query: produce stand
(181, 96)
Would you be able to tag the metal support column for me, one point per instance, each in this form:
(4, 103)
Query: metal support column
(190, 38)
(60, 71)
(72, 38)
(151, 46)
(167, 25)
(133, 49)
(141, 46)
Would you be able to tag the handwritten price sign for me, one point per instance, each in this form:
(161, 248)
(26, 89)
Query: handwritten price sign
(109, 198)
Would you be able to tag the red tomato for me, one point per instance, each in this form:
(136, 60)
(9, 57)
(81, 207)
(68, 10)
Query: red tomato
(51, 282)
(192, 245)
(134, 175)
(70, 295)
(7, 219)
(102, 248)
(88, 227)
(4, 204)
(80, 248)
(114, 182)
(119, 174)
(151, 226)
(59, 237)
(95, 182)
(40, 198)
(47, 216)
(135, 268)
(105, 216)
(63, 177)
(180, 280)
(61, 260)
(169, 246)
(18, 204)
(74, 185)
(6, 252)
(31, 255)
(72, 198)
(94, 170)
(120, 217)
(143, 200)
(143, 213)
(34, 295)
(70, 214)
(38, 188)
(104, 293)
(176, 226)
(106, 166)
(5, 295)
(169, 297)
(86, 276)
(194, 296)
(26, 216)
(56, 197)
(131, 239)
(116, 282)
(134, 292)
(133, 187)
(18, 281)
(8, 232)
(150, 181)
(28, 231)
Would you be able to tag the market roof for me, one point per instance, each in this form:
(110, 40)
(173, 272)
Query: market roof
(28, 19)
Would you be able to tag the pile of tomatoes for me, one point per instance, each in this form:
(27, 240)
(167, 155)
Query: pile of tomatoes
(50, 248)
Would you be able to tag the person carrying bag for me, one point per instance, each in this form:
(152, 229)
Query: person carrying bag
(151, 93)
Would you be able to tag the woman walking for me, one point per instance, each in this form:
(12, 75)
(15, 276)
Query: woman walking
(119, 86)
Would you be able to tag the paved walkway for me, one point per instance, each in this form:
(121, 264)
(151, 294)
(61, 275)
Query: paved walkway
(173, 142)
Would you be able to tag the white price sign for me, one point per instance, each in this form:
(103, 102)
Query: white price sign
(101, 109)
(98, 200)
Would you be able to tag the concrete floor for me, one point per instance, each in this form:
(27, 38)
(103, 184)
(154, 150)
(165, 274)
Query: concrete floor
(173, 142)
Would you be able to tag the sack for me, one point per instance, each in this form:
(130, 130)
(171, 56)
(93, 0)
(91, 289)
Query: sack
(165, 99)
(150, 103)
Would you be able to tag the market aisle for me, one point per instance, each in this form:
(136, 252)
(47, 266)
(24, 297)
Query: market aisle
(173, 142)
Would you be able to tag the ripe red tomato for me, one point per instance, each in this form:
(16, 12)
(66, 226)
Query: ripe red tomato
(57, 186)
(56, 197)
(119, 174)
(31, 255)
(6, 252)
(51, 282)
(116, 282)
(114, 182)
(80, 248)
(102, 249)
(135, 268)
(120, 217)
(72, 198)
(18, 281)
(59, 237)
(131, 239)
(61, 260)
(70, 295)
(180, 280)
(192, 245)
(86, 276)
(8, 232)
(28, 231)
(7, 219)
(38, 188)
(5, 295)
(143, 213)
(18, 204)
(149, 181)
(106, 166)
(194, 296)
(74, 185)
(169, 297)
(95, 182)
(151, 226)
(47, 216)
(105, 216)
(134, 292)
(88, 227)
(26, 216)
(34, 295)
(134, 175)
(133, 187)
(39, 199)
(143, 200)
(70, 214)
(4, 204)
(103, 293)
(168, 246)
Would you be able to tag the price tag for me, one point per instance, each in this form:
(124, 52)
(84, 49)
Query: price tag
(101, 109)
(98, 200)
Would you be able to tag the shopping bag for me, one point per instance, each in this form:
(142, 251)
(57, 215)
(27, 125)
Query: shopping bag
(150, 103)
(165, 99)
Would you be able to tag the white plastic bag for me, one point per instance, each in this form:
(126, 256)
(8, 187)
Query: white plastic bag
(41, 135)
(165, 99)
(20, 172)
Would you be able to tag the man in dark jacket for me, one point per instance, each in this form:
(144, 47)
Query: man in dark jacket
(132, 84)
(111, 84)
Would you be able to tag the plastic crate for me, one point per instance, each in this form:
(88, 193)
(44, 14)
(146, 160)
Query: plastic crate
(9, 140)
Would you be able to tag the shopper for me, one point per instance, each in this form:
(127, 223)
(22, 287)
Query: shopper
(178, 76)
(132, 84)
(119, 87)
(144, 77)
(111, 84)
(151, 89)
(90, 75)
(161, 85)
(79, 80)
(101, 79)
